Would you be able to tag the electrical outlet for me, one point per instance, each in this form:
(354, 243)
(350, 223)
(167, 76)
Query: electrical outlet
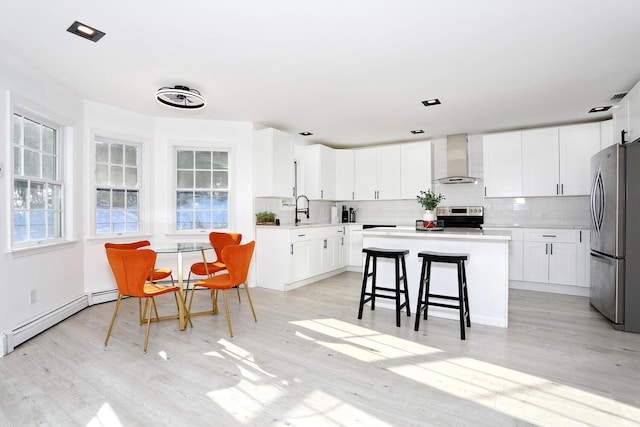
(32, 296)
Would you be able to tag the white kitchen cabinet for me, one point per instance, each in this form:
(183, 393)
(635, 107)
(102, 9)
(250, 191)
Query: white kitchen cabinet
(540, 162)
(319, 172)
(633, 113)
(287, 258)
(273, 163)
(516, 251)
(607, 136)
(502, 164)
(578, 143)
(415, 168)
(583, 258)
(556, 161)
(299, 265)
(621, 123)
(377, 173)
(345, 176)
(354, 255)
(550, 256)
(626, 117)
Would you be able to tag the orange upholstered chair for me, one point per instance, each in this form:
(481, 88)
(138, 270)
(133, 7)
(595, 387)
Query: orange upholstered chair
(131, 270)
(158, 273)
(237, 259)
(218, 241)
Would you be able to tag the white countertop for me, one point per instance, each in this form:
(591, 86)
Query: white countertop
(446, 234)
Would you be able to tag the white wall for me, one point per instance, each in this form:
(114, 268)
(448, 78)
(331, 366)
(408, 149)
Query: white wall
(56, 274)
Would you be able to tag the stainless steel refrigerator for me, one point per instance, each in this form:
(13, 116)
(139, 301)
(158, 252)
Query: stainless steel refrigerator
(615, 235)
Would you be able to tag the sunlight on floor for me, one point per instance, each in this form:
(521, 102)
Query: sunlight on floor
(105, 417)
(515, 393)
(258, 388)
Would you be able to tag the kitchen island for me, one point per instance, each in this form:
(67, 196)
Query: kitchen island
(487, 268)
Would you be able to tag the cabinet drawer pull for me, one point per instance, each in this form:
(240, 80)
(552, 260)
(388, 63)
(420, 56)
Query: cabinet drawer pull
(292, 249)
(549, 235)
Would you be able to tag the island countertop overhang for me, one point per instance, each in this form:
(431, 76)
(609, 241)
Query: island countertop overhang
(446, 234)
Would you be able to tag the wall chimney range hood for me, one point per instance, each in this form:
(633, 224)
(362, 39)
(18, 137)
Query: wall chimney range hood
(457, 162)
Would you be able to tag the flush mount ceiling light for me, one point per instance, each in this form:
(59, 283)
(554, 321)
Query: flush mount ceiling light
(430, 102)
(181, 97)
(305, 133)
(417, 131)
(599, 109)
(85, 31)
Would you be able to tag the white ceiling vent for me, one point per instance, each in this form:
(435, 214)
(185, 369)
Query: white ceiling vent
(181, 97)
(617, 97)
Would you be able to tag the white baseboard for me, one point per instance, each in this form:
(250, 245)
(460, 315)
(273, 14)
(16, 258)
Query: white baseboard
(580, 291)
(33, 327)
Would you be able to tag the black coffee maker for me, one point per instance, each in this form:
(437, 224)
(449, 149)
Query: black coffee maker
(345, 214)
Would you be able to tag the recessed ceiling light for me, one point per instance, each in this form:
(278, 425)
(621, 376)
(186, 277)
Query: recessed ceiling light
(417, 131)
(85, 31)
(599, 109)
(430, 102)
(305, 133)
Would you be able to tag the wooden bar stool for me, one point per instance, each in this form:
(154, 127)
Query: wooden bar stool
(387, 292)
(425, 281)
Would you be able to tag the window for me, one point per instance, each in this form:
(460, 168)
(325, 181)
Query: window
(37, 181)
(117, 187)
(202, 190)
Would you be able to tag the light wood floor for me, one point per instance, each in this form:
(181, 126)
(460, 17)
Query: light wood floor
(309, 361)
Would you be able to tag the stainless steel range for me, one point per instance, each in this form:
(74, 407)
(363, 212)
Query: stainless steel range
(460, 216)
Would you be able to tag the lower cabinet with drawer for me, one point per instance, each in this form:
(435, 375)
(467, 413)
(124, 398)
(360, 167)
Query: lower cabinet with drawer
(287, 258)
(549, 259)
(550, 256)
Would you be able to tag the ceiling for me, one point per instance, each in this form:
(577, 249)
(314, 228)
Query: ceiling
(352, 72)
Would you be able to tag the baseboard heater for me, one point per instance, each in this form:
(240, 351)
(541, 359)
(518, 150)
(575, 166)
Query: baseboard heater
(41, 323)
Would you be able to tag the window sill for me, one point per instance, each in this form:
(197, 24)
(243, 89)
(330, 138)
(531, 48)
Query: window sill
(40, 248)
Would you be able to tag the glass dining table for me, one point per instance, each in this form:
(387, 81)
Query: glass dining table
(179, 249)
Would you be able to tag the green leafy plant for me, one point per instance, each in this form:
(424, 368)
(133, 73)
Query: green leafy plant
(265, 216)
(429, 200)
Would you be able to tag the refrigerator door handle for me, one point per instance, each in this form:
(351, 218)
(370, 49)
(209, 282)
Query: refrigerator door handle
(597, 201)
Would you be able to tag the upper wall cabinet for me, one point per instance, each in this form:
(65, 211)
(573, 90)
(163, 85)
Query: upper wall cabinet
(415, 171)
(578, 143)
(502, 164)
(320, 172)
(540, 162)
(556, 161)
(377, 173)
(626, 118)
(273, 163)
(345, 177)
(607, 136)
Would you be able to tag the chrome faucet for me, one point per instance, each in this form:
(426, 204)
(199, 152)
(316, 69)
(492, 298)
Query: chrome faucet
(304, 211)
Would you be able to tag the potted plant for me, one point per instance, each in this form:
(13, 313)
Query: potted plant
(265, 217)
(429, 201)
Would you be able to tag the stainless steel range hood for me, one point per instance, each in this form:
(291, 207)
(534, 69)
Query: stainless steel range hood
(457, 162)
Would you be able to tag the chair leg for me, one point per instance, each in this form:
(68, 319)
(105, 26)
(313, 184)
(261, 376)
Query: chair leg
(226, 308)
(146, 335)
(246, 288)
(420, 295)
(113, 319)
(365, 278)
(238, 290)
(461, 300)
